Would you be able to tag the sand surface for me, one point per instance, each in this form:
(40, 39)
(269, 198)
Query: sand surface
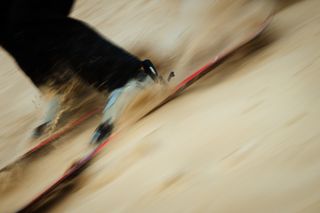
(244, 139)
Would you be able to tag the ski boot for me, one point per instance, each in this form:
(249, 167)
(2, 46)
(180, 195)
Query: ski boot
(121, 97)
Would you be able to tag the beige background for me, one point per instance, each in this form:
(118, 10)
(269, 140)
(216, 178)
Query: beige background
(245, 139)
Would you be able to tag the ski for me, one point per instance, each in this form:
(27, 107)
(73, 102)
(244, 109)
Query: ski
(55, 136)
(79, 166)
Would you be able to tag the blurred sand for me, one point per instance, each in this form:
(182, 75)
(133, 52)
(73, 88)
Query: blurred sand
(20, 110)
(242, 140)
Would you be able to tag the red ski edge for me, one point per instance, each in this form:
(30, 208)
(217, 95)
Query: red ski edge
(65, 130)
(56, 136)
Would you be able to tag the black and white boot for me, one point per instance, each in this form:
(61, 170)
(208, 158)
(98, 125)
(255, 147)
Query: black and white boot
(121, 97)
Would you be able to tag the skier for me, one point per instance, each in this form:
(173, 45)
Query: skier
(45, 42)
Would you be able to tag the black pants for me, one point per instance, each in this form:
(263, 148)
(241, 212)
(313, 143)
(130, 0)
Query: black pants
(44, 40)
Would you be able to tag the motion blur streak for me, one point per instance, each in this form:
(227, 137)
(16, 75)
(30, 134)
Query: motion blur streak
(241, 140)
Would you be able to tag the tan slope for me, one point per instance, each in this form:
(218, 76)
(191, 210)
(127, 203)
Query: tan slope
(243, 140)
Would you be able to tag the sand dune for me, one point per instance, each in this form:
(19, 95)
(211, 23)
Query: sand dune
(244, 139)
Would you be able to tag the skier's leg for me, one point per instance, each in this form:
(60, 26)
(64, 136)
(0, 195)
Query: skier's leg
(49, 43)
(24, 37)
